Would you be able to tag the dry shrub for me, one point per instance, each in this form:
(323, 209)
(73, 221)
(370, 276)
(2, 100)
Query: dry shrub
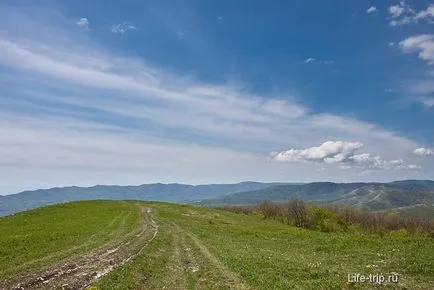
(297, 213)
(385, 221)
(294, 212)
(340, 218)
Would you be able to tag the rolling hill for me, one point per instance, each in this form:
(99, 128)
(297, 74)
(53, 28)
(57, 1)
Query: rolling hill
(152, 245)
(317, 191)
(383, 197)
(407, 195)
(367, 196)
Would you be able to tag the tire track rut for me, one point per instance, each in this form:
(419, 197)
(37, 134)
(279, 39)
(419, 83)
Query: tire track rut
(81, 271)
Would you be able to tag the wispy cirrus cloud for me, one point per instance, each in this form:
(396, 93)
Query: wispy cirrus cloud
(68, 102)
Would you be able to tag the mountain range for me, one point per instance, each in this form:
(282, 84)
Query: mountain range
(173, 192)
(407, 195)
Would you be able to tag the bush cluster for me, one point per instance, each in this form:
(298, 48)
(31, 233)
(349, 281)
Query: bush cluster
(338, 218)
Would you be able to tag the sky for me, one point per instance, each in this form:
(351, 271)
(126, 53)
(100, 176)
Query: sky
(133, 92)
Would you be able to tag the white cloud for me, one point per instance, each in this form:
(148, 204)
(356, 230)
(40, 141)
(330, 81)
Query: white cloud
(421, 89)
(367, 161)
(122, 28)
(402, 14)
(424, 152)
(371, 9)
(397, 10)
(422, 44)
(83, 22)
(312, 60)
(342, 153)
(326, 152)
(427, 14)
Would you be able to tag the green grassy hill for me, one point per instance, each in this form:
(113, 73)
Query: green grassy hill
(144, 245)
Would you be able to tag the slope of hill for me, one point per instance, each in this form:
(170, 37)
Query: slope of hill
(158, 192)
(417, 210)
(34, 239)
(143, 245)
(383, 197)
(316, 191)
(370, 196)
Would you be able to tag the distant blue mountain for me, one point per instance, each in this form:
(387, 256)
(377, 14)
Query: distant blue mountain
(157, 192)
(371, 196)
(412, 183)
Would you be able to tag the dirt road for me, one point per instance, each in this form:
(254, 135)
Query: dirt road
(80, 271)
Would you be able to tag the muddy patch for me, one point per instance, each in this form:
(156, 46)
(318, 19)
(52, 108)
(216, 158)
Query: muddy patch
(81, 271)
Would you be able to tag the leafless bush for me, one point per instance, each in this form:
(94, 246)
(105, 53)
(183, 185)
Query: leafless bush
(271, 210)
(340, 218)
(297, 212)
(293, 212)
(384, 221)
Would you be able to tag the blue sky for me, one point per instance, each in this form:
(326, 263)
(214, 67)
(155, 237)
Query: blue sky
(108, 92)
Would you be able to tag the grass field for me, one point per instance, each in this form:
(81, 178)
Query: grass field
(32, 239)
(201, 248)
